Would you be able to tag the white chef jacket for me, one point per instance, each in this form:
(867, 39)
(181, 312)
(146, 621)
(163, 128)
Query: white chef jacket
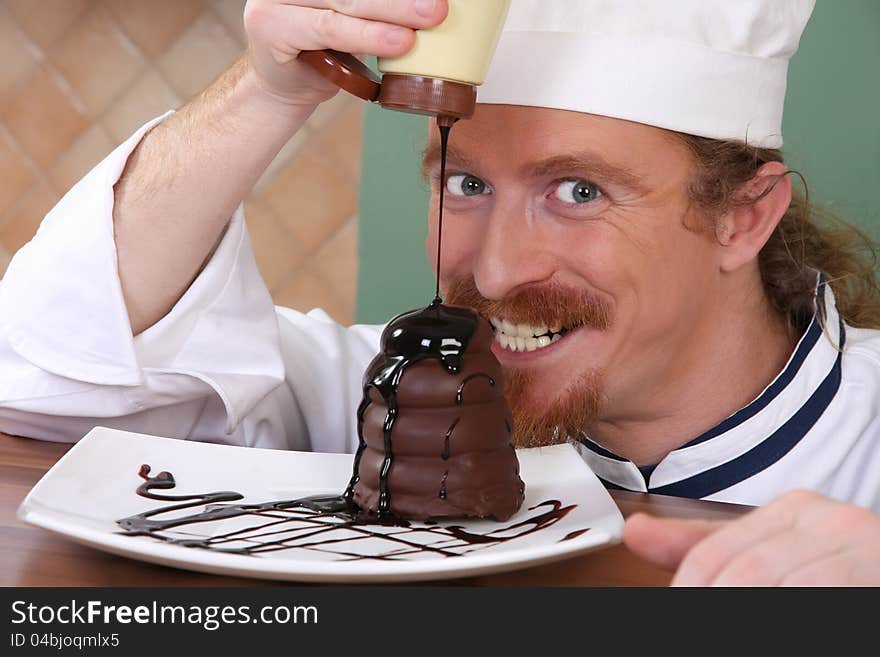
(227, 366)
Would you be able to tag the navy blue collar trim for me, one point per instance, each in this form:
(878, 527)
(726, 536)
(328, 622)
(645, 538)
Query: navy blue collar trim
(598, 449)
(811, 337)
(611, 485)
(776, 445)
(770, 450)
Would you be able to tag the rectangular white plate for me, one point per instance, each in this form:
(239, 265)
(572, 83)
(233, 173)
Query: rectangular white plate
(94, 485)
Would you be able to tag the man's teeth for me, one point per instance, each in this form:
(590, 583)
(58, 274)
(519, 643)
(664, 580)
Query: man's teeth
(524, 337)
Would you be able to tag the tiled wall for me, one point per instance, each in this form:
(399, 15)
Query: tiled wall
(78, 76)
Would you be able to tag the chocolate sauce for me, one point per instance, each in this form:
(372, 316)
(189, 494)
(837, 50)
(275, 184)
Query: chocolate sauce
(433, 332)
(445, 453)
(323, 524)
(574, 534)
(437, 332)
(458, 395)
(444, 143)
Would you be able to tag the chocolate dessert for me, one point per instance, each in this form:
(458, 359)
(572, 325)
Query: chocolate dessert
(434, 426)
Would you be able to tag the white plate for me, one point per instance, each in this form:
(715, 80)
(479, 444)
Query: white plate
(94, 485)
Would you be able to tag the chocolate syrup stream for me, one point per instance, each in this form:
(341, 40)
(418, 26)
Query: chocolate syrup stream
(384, 373)
(444, 143)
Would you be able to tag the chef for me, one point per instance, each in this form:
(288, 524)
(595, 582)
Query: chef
(617, 207)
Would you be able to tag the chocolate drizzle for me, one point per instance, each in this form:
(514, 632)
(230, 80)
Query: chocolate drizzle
(327, 525)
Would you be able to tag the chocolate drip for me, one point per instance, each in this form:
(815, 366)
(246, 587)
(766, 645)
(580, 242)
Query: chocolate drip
(324, 524)
(478, 375)
(445, 453)
(442, 494)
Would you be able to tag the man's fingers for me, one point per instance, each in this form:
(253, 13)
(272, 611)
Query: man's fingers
(665, 541)
(288, 30)
(831, 543)
(319, 28)
(417, 14)
(710, 557)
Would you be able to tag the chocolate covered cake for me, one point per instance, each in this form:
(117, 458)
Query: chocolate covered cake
(434, 426)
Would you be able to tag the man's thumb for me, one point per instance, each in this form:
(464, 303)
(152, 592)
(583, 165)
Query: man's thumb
(665, 541)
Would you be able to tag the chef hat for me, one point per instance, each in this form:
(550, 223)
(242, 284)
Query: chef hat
(713, 68)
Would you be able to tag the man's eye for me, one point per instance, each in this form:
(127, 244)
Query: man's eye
(577, 191)
(462, 184)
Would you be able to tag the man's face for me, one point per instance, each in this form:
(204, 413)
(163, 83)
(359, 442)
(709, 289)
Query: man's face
(568, 231)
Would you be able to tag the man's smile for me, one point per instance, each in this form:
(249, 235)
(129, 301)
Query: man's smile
(524, 343)
(525, 337)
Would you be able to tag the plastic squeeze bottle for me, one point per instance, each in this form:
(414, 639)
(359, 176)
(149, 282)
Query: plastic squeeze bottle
(439, 76)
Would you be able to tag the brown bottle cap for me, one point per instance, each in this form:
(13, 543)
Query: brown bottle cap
(423, 95)
(343, 70)
(406, 93)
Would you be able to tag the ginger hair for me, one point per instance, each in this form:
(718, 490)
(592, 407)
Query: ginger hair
(807, 239)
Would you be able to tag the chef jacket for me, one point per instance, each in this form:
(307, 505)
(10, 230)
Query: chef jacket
(226, 366)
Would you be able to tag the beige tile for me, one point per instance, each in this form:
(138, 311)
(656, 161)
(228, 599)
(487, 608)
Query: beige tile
(231, 12)
(285, 156)
(16, 174)
(46, 20)
(97, 58)
(204, 51)
(91, 147)
(155, 24)
(277, 252)
(45, 117)
(148, 98)
(312, 198)
(341, 139)
(329, 110)
(19, 56)
(20, 226)
(337, 263)
(306, 291)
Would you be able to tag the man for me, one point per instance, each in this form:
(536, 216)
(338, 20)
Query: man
(601, 193)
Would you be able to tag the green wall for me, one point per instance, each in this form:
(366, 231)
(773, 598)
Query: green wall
(394, 274)
(832, 136)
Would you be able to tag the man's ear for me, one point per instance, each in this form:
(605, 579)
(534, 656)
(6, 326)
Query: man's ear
(744, 230)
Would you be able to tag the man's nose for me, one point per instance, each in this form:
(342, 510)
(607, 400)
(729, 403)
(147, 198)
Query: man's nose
(511, 252)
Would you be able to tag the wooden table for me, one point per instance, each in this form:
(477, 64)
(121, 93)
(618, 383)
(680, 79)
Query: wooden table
(33, 557)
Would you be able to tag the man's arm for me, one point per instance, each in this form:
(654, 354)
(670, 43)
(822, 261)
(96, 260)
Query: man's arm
(189, 174)
(183, 183)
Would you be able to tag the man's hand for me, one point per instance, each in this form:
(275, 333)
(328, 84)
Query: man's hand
(278, 30)
(800, 539)
(189, 174)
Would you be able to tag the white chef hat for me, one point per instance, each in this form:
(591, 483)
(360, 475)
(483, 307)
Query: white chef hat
(713, 68)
